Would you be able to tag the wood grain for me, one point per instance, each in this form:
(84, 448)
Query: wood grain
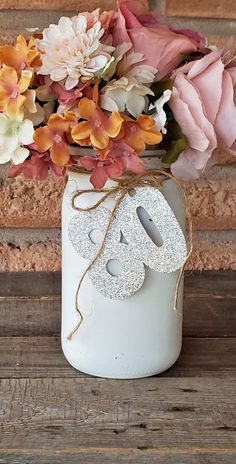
(209, 304)
(40, 284)
(52, 414)
(30, 283)
(139, 455)
(34, 357)
(156, 414)
(225, 9)
(212, 283)
(34, 316)
(206, 299)
(209, 316)
(204, 316)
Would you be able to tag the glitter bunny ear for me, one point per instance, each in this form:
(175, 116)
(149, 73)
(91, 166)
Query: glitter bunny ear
(139, 250)
(173, 250)
(81, 227)
(127, 281)
(132, 274)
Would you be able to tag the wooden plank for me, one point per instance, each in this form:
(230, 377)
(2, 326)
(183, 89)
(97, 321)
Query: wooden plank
(209, 316)
(156, 416)
(81, 5)
(30, 316)
(214, 283)
(209, 304)
(30, 283)
(223, 9)
(42, 357)
(204, 316)
(122, 455)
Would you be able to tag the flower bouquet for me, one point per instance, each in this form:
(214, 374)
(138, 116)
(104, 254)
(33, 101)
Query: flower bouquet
(88, 97)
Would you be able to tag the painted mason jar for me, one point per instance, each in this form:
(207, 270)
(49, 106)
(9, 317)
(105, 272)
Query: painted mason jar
(129, 327)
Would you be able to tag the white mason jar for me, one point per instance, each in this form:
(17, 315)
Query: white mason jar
(134, 337)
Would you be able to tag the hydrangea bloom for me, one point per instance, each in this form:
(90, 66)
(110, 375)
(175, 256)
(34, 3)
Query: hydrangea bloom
(123, 94)
(15, 132)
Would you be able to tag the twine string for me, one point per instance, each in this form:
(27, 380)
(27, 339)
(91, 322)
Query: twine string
(124, 185)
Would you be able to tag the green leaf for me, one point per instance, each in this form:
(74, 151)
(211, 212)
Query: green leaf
(186, 57)
(174, 130)
(160, 86)
(177, 147)
(151, 112)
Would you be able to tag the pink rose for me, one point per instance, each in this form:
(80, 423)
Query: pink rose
(225, 124)
(137, 7)
(203, 104)
(155, 18)
(162, 47)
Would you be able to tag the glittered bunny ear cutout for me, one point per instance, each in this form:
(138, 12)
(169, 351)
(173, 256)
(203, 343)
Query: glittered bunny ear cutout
(128, 241)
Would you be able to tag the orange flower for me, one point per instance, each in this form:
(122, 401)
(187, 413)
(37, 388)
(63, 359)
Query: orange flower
(52, 138)
(107, 18)
(98, 127)
(104, 152)
(141, 132)
(12, 90)
(22, 56)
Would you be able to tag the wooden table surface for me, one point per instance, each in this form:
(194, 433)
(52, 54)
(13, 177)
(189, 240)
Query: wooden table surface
(51, 414)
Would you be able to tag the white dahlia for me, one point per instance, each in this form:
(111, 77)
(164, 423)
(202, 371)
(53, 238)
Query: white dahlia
(71, 51)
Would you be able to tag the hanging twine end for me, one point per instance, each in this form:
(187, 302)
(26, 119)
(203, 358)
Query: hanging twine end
(72, 333)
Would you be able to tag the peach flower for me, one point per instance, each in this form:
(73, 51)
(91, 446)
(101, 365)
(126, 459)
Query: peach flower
(36, 167)
(98, 127)
(109, 168)
(21, 56)
(12, 90)
(52, 138)
(141, 132)
(105, 18)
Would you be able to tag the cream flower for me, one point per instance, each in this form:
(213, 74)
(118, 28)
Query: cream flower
(72, 51)
(160, 116)
(131, 68)
(43, 109)
(125, 94)
(118, 55)
(15, 132)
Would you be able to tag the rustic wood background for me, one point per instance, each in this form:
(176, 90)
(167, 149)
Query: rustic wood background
(30, 211)
(51, 414)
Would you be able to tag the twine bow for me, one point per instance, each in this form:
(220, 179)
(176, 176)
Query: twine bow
(150, 178)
